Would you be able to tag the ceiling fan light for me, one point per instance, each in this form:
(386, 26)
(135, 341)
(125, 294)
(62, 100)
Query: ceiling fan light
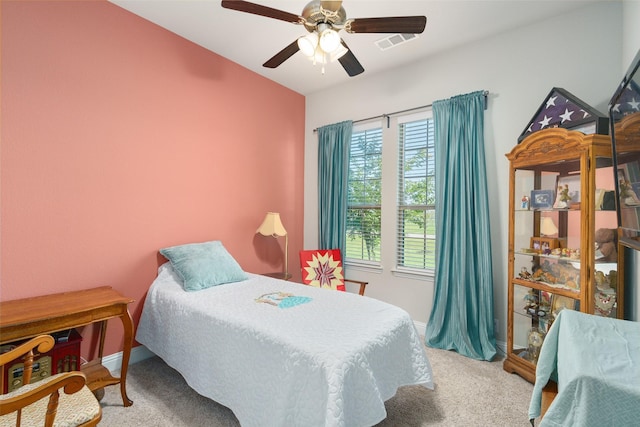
(308, 44)
(329, 40)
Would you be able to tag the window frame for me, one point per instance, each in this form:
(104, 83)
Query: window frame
(400, 177)
(361, 263)
(389, 199)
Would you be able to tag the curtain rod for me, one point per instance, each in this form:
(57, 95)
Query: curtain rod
(388, 115)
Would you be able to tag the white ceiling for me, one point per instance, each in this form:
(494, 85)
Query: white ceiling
(250, 40)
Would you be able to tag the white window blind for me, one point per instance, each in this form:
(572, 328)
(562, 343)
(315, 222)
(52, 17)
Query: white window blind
(364, 195)
(416, 236)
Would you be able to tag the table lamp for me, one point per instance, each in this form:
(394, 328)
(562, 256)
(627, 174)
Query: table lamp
(272, 226)
(548, 227)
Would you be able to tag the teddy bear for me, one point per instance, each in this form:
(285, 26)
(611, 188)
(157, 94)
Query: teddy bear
(606, 243)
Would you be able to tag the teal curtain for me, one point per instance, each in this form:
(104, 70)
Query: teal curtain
(333, 172)
(462, 315)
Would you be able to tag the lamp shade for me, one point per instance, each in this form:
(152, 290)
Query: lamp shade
(272, 226)
(308, 44)
(548, 227)
(329, 40)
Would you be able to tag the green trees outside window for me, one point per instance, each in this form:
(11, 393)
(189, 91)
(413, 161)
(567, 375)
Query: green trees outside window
(415, 205)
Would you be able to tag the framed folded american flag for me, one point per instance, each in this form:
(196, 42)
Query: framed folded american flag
(562, 109)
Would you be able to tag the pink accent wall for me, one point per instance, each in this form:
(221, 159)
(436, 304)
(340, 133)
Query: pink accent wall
(120, 138)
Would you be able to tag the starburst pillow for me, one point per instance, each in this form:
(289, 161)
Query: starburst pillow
(322, 268)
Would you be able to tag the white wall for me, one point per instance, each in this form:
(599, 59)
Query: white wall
(580, 53)
(631, 31)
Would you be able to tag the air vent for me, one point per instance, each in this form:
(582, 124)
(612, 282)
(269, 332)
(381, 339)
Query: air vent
(395, 40)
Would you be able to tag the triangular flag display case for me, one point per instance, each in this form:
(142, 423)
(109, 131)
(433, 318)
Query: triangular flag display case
(561, 109)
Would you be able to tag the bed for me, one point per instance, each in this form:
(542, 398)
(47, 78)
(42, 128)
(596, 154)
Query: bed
(279, 353)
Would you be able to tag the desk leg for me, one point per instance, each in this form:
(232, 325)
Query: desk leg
(103, 334)
(127, 323)
(549, 393)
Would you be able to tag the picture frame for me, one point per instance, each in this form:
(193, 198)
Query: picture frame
(568, 192)
(542, 199)
(543, 245)
(559, 303)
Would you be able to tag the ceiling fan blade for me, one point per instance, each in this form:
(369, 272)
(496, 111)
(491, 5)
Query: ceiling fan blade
(282, 56)
(350, 63)
(400, 24)
(331, 5)
(257, 9)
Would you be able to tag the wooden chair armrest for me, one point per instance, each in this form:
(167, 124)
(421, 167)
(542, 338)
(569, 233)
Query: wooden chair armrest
(359, 282)
(43, 342)
(72, 382)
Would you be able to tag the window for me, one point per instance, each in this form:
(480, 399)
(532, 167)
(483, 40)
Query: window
(364, 195)
(416, 236)
(391, 199)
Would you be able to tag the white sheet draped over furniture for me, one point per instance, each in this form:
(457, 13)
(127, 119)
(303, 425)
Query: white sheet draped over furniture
(596, 364)
(332, 360)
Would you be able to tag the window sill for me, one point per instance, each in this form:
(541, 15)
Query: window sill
(414, 274)
(369, 267)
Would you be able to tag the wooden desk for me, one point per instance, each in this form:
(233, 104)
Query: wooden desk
(30, 317)
(282, 276)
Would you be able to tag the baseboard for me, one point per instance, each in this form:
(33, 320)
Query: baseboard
(113, 362)
(421, 327)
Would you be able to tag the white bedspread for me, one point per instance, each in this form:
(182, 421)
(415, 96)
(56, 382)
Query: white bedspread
(332, 361)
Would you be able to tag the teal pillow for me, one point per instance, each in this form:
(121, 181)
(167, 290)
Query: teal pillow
(202, 265)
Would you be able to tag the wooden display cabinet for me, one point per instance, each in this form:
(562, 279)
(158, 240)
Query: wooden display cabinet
(554, 260)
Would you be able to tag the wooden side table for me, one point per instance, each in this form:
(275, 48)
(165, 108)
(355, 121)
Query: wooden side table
(30, 317)
(283, 276)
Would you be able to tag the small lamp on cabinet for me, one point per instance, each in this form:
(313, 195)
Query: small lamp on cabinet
(548, 227)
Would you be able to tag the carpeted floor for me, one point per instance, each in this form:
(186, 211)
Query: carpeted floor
(467, 393)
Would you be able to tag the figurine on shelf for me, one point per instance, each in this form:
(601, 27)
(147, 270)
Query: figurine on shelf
(605, 303)
(625, 189)
(535, 338)
(627, 195)
(612, 278)
(525, 202)
(531, 303)
(557, 274)
(563, 197)
(606, 243)
(524, 273)
(575, 254)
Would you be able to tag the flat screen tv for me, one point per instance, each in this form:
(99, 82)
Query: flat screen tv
(624, 122)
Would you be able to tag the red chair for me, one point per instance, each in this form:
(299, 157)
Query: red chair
(322, 268)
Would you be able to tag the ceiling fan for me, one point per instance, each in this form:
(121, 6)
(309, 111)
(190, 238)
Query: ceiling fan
(323, 20)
